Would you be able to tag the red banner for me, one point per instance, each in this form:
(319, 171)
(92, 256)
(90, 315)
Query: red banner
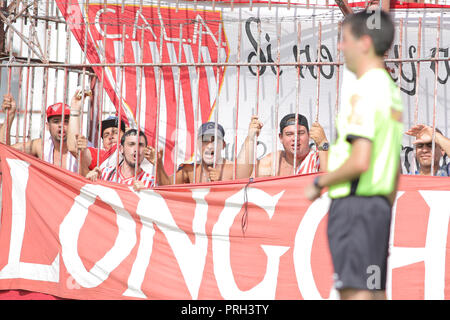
(65, 236)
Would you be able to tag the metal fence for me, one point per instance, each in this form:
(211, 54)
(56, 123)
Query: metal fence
(43, 63)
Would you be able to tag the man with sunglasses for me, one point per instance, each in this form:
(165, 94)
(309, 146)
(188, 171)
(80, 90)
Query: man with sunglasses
(424, 152)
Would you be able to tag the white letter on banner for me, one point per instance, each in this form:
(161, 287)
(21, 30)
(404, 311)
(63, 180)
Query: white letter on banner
(434, 253)
(223, 272)
(304, 239)
(152, 208)
(15, 268)
(70, 230)
(99, 28)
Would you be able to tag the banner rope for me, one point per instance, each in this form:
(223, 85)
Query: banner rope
(244, 220)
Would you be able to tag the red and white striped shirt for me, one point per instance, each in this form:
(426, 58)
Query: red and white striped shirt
(110, 174)
(310, 164)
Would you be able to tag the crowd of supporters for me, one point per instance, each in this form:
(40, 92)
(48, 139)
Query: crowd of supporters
(126, 156)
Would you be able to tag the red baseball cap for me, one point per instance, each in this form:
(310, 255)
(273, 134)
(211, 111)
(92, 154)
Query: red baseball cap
(57, 109)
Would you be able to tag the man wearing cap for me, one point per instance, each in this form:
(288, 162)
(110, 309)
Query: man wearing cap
(110, 134)
(423, 148)
(307, 160)
(56, 134)
(212, 166)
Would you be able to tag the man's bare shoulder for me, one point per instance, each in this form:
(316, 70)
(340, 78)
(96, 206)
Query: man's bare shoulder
(267, 159)
(33, 147)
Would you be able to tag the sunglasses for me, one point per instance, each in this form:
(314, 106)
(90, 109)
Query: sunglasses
(208, 138)
(421, 145)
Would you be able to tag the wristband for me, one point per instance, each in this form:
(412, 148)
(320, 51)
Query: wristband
(316, 183)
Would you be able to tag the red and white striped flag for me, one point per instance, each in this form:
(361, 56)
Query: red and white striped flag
(122, 33)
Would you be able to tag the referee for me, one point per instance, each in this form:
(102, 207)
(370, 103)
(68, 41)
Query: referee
(364, 161)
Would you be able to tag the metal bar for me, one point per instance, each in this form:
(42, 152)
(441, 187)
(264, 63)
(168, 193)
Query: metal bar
(47, 37)
(83, 84)
(138, 107)
(277, 102)
(207, 64)
(158, 98)
(216, 109)
(102, 101)
(27, 41)
(416, 111)
(119, 115)
(34, 33)
(436, 71)
(26, 103)
(258, 55)
(19, 96)
(8, 90)
(319, 53)
(177, 116)
(238, 76)
(31, 102)
(197, 111)
(297, 100)
(345, 8)
(338, 66)
(419, 53)
(65, 95)
(400, 49)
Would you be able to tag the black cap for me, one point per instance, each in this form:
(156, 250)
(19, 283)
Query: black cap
(112, 121)
(290, 120)
(209, 129)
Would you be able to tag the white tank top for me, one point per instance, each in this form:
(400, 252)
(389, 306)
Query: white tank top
(49, 146)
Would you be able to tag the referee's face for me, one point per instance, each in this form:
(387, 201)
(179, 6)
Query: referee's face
(349, 46)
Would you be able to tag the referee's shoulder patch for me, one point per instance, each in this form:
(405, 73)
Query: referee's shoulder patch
(355, 116)
(396, 115)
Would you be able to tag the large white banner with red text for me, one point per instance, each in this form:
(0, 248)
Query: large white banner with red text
(64, 236)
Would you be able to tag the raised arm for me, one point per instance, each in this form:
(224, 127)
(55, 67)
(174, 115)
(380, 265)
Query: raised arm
(31, 147)
(75, 141)
(424, 133)
(246, 159)
(74, 124)
(9, 108)
(85, 154)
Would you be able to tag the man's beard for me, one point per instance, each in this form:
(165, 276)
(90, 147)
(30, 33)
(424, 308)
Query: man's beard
(130, 164)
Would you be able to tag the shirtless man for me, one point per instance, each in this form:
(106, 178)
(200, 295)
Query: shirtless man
(307, 160)
(205, 170)
(51, 152)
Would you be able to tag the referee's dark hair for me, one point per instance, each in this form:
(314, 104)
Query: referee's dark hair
(133, 132)
(375, 23)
